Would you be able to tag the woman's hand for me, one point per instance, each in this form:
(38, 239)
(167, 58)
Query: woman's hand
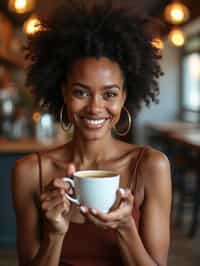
(118, 219)
(55, 206)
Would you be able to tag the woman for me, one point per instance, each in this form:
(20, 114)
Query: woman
(87, 65)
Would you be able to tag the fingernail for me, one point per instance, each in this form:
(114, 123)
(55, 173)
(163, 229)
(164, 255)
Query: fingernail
(93, 211)
(83, 209)
(70, 192)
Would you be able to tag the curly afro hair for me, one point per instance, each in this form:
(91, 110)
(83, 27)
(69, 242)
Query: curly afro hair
(73, 31)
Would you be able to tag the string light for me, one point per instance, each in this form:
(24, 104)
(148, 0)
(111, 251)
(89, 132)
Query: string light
(176, 13)
(21, 6)
(177, 37)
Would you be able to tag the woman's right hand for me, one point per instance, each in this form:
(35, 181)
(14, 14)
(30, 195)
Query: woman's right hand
(55, 206)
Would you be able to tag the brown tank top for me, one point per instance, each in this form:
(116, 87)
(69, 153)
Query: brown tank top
(88, 245)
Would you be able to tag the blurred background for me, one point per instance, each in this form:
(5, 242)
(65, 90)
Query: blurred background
(172, 126)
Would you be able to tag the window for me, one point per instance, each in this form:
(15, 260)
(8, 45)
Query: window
(191, 80)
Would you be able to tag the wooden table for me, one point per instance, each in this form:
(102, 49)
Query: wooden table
(190, 138)
(173, 127)
(186, 136)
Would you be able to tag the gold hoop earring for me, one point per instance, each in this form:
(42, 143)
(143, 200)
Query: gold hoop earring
(62, 124)
(129, 124)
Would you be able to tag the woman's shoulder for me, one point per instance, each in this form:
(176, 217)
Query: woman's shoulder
(154, 160)
(155, 168)
(27, 167)
(24, 178)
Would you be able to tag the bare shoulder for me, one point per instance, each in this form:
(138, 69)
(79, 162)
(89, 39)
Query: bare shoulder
(155, 169)
(26, 166)
(154, 160)
(25, 175)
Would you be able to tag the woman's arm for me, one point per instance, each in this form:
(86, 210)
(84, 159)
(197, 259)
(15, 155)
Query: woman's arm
(150, 246)
(33, 249)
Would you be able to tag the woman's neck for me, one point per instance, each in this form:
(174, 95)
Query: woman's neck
(91, 151)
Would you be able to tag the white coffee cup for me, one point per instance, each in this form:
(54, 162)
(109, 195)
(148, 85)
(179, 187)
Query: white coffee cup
(94, 188)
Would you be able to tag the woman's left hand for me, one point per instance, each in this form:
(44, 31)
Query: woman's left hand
(118, 219)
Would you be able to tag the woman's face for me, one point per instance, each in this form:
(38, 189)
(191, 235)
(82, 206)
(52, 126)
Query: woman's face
(94, 96)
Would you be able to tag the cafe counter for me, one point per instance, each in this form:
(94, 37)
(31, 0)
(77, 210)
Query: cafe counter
(28, 145)
(10, 151)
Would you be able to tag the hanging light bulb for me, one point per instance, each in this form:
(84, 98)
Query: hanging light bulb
(32, 25)
(176, 37)
(176, 13)
(21, 6)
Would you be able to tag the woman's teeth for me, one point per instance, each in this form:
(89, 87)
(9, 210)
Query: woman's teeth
(94, 121)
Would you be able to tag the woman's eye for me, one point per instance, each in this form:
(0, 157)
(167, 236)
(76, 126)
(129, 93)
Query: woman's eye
(80, 93)
(109, 95)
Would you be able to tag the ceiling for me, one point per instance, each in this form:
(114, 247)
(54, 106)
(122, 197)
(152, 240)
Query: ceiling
(144, 6)
(149, 7)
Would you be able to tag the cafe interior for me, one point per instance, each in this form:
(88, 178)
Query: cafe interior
(171, 126)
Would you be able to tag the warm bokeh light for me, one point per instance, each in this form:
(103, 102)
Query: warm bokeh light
(176, 13)
(21, 6)
(177, 37)
(36, 116)
(158, 43)
(32, 25)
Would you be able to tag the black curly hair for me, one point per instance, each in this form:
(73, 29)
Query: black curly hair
(73, 31)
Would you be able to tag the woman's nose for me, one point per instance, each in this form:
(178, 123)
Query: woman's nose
(95, 104)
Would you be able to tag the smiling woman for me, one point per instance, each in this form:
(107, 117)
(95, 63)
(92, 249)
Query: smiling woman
(89, 63)
(94, 96)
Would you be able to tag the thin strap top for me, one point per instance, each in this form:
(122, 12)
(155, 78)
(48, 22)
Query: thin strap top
(40, 172)
(88, 245)
(133, 185)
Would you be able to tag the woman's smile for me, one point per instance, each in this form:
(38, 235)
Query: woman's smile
(92, 123)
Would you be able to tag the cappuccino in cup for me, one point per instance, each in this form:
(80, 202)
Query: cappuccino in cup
(94, 188)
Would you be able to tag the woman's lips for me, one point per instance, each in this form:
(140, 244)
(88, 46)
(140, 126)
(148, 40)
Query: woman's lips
(94, 123)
